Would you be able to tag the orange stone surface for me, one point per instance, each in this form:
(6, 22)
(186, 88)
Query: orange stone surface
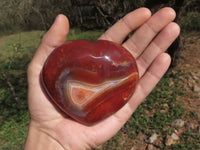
(89, 80)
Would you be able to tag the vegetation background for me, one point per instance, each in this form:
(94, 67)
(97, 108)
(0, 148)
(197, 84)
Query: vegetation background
(24, 22)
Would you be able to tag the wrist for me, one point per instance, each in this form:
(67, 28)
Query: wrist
(40, 140)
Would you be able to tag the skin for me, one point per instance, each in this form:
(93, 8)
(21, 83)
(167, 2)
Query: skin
(49, 129)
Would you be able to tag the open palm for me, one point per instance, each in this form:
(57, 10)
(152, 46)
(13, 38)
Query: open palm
(153, 36)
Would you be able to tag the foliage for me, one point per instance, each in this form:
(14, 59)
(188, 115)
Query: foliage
(15, 56)
(87, 35)
(13, 77)
(85, 14)
(13, 132)
(191, 21)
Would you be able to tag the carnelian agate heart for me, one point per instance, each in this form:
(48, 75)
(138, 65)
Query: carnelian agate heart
(89, 81)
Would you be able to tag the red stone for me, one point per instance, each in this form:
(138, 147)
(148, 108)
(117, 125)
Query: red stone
(89, 81)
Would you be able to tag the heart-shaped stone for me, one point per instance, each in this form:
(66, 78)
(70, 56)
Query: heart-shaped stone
(89, 81)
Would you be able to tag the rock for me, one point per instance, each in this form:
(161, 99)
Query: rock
(175, 131)
(169, 141)
(178, 123)
(190, 126)
(175, 137)
(196, 88)
(151, 147)
(152, 138)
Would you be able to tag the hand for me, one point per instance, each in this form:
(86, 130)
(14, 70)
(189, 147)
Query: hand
(48, 129)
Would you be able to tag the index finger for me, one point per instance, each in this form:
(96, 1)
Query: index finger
(120, 30)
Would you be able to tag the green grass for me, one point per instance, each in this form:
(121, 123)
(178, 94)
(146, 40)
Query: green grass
(153, 116)
(75, 34)
(191, 21)
(13, 133)
(27, 41)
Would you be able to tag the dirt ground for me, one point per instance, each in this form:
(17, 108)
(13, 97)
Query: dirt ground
(189, 61)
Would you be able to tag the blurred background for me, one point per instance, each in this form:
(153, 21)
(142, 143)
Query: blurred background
(85, 14)
(175, 99)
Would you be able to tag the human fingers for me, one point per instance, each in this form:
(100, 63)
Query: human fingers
(119, 31)
(137, 43)
(162, 41)
(150, 78)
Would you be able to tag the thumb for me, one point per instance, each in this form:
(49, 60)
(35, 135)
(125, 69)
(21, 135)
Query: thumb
(56, 36)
